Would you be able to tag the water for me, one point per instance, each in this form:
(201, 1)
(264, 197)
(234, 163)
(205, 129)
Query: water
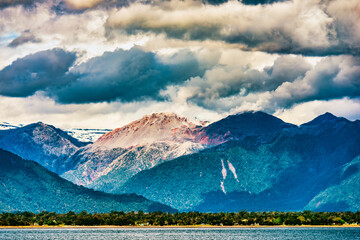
(181, 233)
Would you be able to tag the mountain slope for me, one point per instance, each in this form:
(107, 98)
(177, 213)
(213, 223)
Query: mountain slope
(242, 125)
(284, 172)
(140, 145)
(27, 186)
(157, 138)
(157, 127)
(42, 143)
(342, 196)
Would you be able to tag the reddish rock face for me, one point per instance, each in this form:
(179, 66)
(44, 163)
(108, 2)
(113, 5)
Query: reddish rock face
(152, 128)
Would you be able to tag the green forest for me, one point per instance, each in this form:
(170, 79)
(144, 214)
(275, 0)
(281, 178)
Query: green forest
(179, 219)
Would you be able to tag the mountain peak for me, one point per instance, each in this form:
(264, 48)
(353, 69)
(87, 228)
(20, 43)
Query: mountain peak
(241, 125)
(327, 116)
(150, 128)
(160, 118)
(324, 118)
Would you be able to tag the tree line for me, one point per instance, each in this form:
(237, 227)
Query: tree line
(179, 219)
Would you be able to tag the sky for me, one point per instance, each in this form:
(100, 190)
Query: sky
(104, 63)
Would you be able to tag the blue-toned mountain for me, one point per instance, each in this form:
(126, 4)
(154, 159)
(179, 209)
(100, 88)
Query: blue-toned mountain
(283, 170)
(27, 186)
(42, 143)
(143, 144)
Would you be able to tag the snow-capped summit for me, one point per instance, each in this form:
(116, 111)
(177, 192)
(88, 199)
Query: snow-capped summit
(157, 127)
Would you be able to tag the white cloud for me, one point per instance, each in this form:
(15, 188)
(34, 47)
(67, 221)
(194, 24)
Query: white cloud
(82, 4)
(304, 112)
(294, 26)
(93, 115)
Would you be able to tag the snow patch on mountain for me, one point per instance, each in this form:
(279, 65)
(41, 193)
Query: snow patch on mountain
(233, 170)
(86, 135)
(7, 126)
(222, 187)
(223, 170)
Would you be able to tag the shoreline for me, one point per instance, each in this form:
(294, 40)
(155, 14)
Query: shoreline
(175, 226)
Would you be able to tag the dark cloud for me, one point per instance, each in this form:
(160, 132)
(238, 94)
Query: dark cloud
(285, 69)
(126, 76)
(290, 81)
(78, 7)
(215, 2)
(331, 78)
(262, 2)
(26, 37)
(25, 3)
(227, 81)
(36, 72)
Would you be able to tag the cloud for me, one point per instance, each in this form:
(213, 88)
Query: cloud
(26, 37)
(10, 3)
(224, 81)
(304, 112)
(36, 72)
(82, 4)
(308, 27)
(256, 2)
(90, 115)
(127, 76)
(281, 86)
(331, 78)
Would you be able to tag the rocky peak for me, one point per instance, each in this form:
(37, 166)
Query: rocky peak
(151, 128)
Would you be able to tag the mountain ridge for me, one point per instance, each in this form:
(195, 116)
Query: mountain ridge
(27, 186)
(250, 159)
(42, 143)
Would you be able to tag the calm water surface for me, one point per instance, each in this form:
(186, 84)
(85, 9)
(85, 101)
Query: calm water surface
(182, 233)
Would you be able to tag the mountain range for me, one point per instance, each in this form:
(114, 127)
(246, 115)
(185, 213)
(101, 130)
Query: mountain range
(250, 160)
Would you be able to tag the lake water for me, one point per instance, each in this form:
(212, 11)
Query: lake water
(181, 233)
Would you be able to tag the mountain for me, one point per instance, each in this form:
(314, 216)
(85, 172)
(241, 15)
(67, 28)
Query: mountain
(140, 145)
(342, 196)
(143, 144)
(250, 160)
(158, 127)
(42, 143)
(27, 186)
(86, 134)
(268, 168)
(241, 126)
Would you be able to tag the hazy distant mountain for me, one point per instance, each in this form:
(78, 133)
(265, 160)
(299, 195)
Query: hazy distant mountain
(140, 145)
(27, 186)
(7, 126)
(42, 143)
(86, 134)
(257, 172)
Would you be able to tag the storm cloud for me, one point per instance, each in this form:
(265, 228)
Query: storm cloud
(36, 72)
(197, 57)
(277, 87)
(26, 3)
(126, 76)
(227, 81)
